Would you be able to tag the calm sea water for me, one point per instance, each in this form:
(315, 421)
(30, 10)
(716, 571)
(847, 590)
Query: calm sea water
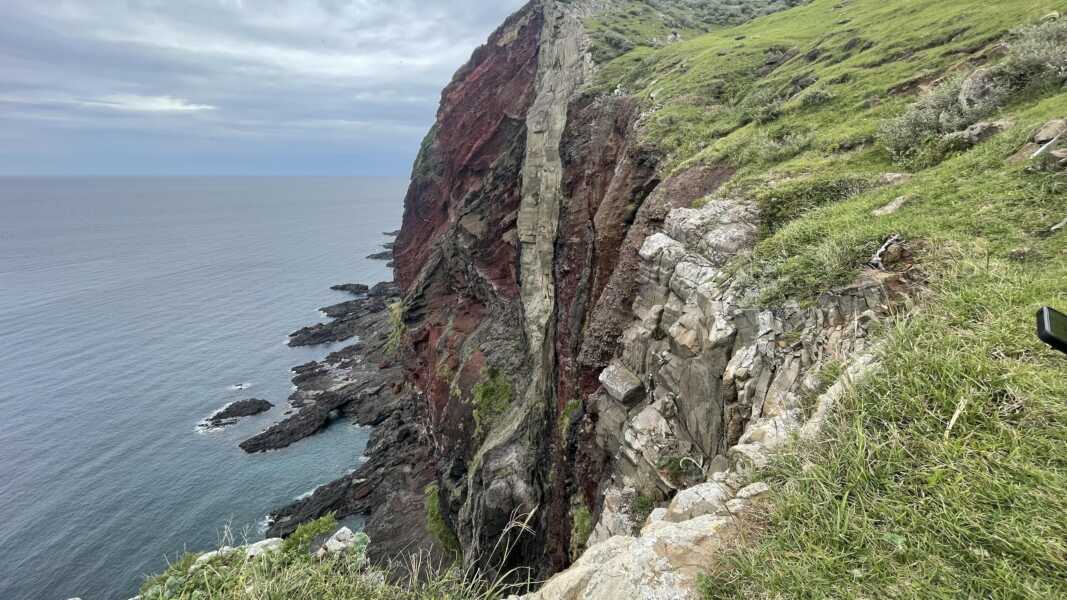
(129, 308)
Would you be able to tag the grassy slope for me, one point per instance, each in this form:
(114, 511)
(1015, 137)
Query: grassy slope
(293, 573)
(889, 506)
(892, 505)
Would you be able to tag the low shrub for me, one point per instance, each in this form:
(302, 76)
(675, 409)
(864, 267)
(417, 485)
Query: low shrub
(1036, 61)
(762, 106)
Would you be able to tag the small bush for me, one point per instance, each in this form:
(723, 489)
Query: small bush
(761, 106)
(643, 506)
(492, 397)
(768, 149)
(1037, 56)
(935, 114)
(566, 415)
(1036, 61)
(814, 98)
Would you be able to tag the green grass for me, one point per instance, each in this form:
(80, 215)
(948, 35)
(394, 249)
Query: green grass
(581, 528)
(899, 505)
(436, 523)
(650, 23)
(491, 399)
(294, 574)
(945, 476)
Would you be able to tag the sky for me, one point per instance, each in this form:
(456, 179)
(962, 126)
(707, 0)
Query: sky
(228, 87)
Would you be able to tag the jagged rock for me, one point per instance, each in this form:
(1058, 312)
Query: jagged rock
(975, 134)
(705, 499)
(357, 289)
(616, 517)
(977, 88)
(622, 384)
(340, 542)
(349, 319)
(262, 548)
(237, 410)
(385, 255)
(207, 557)
(1050, 131)
(891, 208)
(663, 565)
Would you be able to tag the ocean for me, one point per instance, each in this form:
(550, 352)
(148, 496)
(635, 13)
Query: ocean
(132, 308)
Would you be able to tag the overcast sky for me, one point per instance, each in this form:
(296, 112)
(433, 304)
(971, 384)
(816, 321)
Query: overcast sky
(345, 87)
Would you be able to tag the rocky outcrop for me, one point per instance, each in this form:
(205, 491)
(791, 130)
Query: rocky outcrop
(348, 319)
(518, 261)
(726, 383)
(362, 382)
(234, 411)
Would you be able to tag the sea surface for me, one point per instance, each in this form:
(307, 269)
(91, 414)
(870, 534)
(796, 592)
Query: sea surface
(130, 309)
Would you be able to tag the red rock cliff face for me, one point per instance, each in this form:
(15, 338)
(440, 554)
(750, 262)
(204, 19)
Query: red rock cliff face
(517, 259)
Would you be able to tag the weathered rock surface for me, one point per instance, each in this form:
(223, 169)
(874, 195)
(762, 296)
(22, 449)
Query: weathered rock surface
(362, 382)
(263, 548)
(357, 289)
(348, 319)
(238, 410)
(727, 384)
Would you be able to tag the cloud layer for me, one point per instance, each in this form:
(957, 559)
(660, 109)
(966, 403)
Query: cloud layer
(227, 86)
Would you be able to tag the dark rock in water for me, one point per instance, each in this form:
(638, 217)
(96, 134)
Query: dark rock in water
(365, 383)
(351, 374)
(349, 318)
(389, 246)
(386, 255)
(308, 420)
(352, 288)
(392, 233)
(236, 410)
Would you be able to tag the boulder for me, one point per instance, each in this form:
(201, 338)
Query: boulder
(753, 491)
(621, 384)
(975, 134)
(890, 208)
(979, 87)
(616, 518)
(1050, 131)
(342, 541)
(705, 499)
(665, 565)
(267, 546)
(207, 557)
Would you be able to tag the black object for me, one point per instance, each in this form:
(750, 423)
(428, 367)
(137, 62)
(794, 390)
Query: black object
(1052, 328)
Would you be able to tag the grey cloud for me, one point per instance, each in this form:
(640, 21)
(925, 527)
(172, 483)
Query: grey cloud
(137, 86)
